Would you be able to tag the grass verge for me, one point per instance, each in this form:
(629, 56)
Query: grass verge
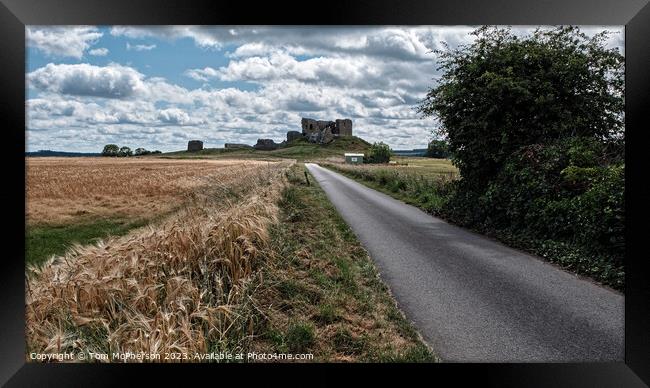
(322, 293)
(426, 192)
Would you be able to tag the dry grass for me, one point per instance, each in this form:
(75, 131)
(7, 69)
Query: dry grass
(64, 190)
(322, 292)
(183, 285)
(423, 168)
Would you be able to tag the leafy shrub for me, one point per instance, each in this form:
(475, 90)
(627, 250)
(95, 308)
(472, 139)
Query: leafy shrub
(504, 91)
(397, 184)
(125, 151)
(379, 153)
(542, 195)
(535, 126)
(141, 151)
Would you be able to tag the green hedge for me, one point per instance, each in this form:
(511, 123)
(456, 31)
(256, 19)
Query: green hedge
(564, 201)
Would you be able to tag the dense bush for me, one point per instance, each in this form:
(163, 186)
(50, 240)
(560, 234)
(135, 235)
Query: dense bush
(379, 153)
(564, 201)
(438, 149)
(505, 91)
(535, 125)
(110, 150)
(125, 151)
(141, 151)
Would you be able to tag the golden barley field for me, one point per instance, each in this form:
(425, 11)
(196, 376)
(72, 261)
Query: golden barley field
(60, 190)
(179, 285)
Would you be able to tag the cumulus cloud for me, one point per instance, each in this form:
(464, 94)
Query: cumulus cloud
(113, 81)
(345, 72)
(99, 52)
(407, 43)
(373, 75)
(399, 42)
(174, 116)
(63, 41)
(202, 74)
(140, 47)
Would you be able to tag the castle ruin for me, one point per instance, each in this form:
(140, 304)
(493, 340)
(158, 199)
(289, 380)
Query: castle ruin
(322, 131)
(314, 131)
(340, 127)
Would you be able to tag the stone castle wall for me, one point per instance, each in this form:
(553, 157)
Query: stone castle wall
(314, 131)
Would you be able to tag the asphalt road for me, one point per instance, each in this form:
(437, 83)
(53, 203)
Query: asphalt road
(474, 299)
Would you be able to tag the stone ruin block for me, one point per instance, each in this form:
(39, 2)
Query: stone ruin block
(343, 127)
(326, 136)
(236, 146)
(293, 135)
(309, 126)
(266, 145)
(194, 145)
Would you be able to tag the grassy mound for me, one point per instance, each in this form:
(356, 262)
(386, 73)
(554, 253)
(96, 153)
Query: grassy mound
(299, 149)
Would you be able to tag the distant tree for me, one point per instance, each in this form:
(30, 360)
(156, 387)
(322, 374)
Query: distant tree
(125, 151)
(379, 153)
(505, 91)
(110, 150)
(156, 152)
(141, 151)
(438, 149)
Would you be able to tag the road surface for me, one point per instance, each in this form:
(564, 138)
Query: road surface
(471, 298)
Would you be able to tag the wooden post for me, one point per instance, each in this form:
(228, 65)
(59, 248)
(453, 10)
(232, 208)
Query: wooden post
(307, 178)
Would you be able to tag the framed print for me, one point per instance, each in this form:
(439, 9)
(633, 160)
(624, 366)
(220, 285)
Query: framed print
(439, 188)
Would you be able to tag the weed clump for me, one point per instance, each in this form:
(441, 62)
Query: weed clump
(299, 337)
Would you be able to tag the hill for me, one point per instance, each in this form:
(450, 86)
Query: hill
(60, 153)
(298, 149)
(413, 152)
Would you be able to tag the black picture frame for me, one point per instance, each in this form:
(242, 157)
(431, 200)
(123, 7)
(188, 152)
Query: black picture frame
(16, 14)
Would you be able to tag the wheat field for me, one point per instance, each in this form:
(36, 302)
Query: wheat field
(181, 285)
(62, 190)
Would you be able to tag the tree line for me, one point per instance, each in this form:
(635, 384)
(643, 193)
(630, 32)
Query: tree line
(124, 151)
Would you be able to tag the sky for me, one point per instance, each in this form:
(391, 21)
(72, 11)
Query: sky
(159, 87)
